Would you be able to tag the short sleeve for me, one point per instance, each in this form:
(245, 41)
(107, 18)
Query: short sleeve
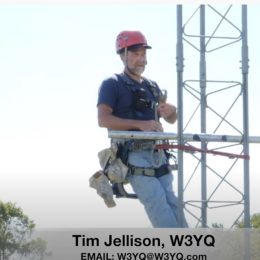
(108, 92)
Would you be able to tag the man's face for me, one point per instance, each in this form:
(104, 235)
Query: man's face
(135, 61)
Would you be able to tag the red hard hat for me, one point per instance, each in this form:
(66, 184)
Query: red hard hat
(126, 39)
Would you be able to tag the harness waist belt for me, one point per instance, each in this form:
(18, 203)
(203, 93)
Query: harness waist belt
(151, 172)
(141, 145)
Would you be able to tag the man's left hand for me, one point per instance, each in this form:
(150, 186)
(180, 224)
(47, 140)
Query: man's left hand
(168, 112)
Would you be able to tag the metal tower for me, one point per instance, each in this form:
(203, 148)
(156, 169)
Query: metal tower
(212, 89)
(213, 99)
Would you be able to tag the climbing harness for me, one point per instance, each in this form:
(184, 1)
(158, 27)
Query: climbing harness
(141, 101)
(110, 181)
(115, 168)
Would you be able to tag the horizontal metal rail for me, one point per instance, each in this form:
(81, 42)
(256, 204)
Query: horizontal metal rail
(187, 137)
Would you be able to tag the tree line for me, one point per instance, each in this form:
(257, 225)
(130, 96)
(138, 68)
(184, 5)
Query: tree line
(16, 229)
(15, 235)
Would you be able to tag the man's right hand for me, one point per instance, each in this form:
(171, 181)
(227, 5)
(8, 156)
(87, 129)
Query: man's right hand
(150, 125)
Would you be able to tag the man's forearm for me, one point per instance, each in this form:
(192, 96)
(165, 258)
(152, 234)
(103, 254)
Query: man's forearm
(116, 123)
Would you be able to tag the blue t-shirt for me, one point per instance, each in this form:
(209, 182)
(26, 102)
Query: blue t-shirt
(119, 93)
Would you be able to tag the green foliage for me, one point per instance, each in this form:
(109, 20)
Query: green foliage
(35, 249)
(217, 225)
(15, 230)
(254, 222)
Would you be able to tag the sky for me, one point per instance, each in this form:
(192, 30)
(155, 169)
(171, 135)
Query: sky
(53, 58)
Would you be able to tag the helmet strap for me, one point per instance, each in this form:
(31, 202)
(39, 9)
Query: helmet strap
(125, 53)
(125, 58)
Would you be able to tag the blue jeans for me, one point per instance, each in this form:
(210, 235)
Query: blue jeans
(158, 198)
(156, 194)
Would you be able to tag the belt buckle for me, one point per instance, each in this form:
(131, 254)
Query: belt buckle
(132, 169)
